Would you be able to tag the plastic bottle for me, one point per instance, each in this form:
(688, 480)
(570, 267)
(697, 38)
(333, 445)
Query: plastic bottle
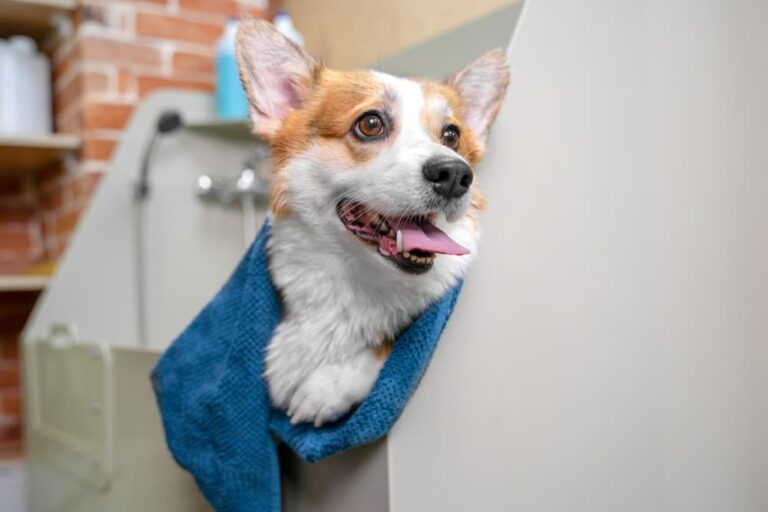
(21, 52)
(41, 115)
(25, 88)
(6, 87)
(231, 102)
(284, 24)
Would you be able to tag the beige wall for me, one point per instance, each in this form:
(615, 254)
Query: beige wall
(352, 33)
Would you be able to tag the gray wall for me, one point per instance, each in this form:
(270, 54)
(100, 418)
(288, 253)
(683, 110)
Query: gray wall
(610, 349)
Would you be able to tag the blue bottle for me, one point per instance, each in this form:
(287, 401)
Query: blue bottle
(231, 103)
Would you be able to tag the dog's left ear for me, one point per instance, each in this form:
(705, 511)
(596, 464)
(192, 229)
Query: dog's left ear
(481, 87)
(276, 74)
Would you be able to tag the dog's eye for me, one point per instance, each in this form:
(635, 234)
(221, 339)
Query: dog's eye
(450, 136)
(369, 126)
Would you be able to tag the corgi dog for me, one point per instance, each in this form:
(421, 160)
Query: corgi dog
(374, 208)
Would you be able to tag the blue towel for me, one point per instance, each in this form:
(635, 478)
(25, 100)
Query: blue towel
(218, 420)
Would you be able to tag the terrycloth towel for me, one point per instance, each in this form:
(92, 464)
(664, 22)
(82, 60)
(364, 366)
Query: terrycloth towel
(218, 420)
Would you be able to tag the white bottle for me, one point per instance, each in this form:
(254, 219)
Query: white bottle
(26, 89)
(40, 91)
(6, 87)
(23, 51)
(284, 24)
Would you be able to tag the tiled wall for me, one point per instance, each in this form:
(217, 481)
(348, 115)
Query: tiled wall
(118, 52)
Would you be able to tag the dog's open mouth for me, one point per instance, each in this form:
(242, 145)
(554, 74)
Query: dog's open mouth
(411, 242)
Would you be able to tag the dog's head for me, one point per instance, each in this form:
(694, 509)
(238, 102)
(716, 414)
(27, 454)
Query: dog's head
(366, 156)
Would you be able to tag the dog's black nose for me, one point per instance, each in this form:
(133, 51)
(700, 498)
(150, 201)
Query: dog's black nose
(450, 177)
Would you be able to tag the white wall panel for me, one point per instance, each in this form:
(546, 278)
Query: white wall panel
(609, 350)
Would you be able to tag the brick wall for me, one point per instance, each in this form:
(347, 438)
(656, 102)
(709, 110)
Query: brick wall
(14, 309)
(21, 238)
(118, 52)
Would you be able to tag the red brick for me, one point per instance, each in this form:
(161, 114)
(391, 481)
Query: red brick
(55, 251)
(10, 402)
(66, 223)
(120, 52)
(77, 17)
(126, 82)
(69, 95)
(176, 28)
(66, 62)
(247, 10)
(9, 344)
(148, 84)
(94, 82)
(223, 7)
(16, 215)
(106, 116)
(53, 198)
(48, 226)
(95, 148)
(69, 122)
(50, 175)
(185, 61)
(18, 242)
(220, 10)
(90, 182)
(9, 373)
(70, 191)
(85, 185)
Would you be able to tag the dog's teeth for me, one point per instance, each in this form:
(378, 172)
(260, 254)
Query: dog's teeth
(400, 241)
(375, 219)
(406, 254)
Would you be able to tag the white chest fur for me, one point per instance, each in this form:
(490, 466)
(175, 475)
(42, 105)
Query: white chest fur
(340, 301)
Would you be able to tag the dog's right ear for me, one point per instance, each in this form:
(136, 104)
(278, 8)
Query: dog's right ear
(276, 74)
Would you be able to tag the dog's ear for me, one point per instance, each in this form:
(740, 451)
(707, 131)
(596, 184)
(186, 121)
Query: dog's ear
(481, 87)
(276, 74)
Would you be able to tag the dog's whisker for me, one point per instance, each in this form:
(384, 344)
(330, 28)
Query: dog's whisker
(359, 215)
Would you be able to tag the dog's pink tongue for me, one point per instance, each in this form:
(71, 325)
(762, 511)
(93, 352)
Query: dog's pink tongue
(428, 237)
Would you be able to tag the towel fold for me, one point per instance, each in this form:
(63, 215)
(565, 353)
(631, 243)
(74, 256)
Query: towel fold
(218, 420)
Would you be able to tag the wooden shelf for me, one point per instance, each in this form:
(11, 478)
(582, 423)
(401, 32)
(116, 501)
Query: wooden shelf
(22, 283)
(31, 17)
(25, 154)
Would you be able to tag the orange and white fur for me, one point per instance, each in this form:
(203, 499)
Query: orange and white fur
(372, 208)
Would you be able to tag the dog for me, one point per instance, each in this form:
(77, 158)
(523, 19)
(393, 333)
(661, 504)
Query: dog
(374, 209)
